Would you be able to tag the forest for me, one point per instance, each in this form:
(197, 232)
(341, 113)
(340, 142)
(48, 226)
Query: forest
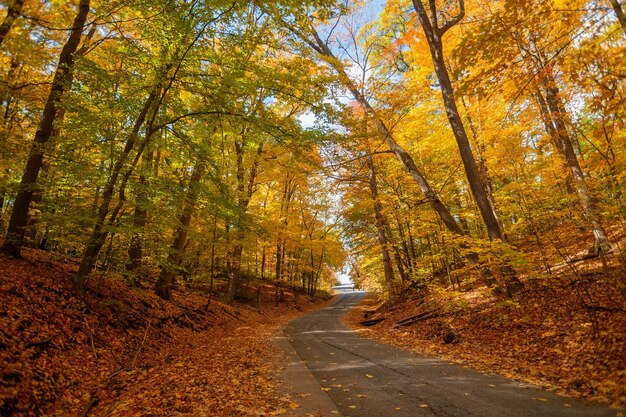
(461, 152)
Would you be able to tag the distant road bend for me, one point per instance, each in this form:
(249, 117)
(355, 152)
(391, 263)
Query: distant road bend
(364, 378)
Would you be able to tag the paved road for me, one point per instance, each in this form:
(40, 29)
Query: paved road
(365, 378)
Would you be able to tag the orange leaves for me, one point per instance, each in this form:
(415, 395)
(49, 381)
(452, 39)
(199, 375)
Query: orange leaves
(61, 355)
(543, 337)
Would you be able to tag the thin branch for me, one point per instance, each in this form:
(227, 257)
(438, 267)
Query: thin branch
(456, 19)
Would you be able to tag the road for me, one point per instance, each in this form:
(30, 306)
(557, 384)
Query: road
(358, 377)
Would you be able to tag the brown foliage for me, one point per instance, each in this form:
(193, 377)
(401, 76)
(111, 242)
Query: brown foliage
(543, 336)
(126, 352)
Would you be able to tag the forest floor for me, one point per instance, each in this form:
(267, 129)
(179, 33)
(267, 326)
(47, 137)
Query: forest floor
(564, 332)
(121, 351)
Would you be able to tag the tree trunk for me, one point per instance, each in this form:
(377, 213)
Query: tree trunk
(212, 271)
(469, 163)
(402, 155)
(19, 215)
(263, 256)
(602, 242)
(619, 13)
(404, 245)
(483, 170)
(99, 232)
(245, 190)
(548, 125)
(381, 226)
(163, 287)
(15, 9)
(433, 35)
(140, 219)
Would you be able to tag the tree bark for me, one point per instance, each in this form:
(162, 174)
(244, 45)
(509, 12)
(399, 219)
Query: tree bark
(99, 232)
(483, 170)
(140, 219)
(619, 13)
(602, 242)
(14, 11)
(433, 35)
(163, 286)
(381, 226)
(19, 215)
(245, 192)
(434, 32)
(548, 125)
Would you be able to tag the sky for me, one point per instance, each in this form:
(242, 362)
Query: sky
(372, 9)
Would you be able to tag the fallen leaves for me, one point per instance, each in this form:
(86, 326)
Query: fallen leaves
(125, 352)
(545, 339)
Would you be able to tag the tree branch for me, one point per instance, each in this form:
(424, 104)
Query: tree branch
(456, 19)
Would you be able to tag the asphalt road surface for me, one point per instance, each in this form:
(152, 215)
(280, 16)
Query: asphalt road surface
(362, 377)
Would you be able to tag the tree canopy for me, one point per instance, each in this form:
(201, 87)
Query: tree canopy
(219, 141)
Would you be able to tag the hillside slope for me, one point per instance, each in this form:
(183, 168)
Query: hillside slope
(122, 351)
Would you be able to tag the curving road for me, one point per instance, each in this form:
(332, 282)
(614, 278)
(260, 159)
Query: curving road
(357, 377)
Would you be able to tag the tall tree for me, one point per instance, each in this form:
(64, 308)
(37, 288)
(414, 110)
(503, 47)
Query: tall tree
(19, 216)
(163, 286)
(619, 13)
(434, 31)
(13, 12)
(403, 156)
(382, 226)
(245, 189)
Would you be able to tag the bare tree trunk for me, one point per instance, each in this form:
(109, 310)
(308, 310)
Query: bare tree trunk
(163, 287)
(140, 219)
(14, 11)
(99, 233)
(602, 242)
(19, 215)
(381, 226)
(245, 190)
(619, 13)
(434, 33)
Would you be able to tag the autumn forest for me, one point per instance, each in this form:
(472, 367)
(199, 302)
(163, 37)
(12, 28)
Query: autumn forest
(208, 164)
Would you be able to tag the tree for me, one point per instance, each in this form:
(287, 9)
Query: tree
(619, 13)
(434, 32)
(541, 49)
(163, 286)
(13, 12)
(313, 40)
(19, 216)
(382, 226)
(172, 60)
